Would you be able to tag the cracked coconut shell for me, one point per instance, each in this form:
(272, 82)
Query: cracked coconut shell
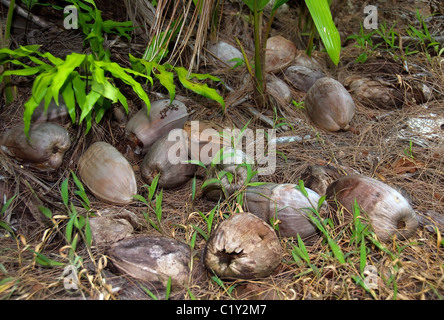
(243, 247)
(152, 259)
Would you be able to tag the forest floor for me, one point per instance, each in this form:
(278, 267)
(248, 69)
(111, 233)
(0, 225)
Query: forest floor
(399, 142)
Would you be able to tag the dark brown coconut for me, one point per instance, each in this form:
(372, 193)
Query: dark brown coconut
(169, 160)
(329, 105)
(302, 59)
(143, 130)
(302, 78)
(285, 204)
(243, 247)
(318, 178)
(45, 148)
(389, 213)
(278, 89)
(152, 259)
(374, 93)
(107, 174)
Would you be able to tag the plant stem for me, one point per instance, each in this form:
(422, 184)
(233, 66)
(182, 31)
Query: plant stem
(9, 94)
(259, 60)
(310, 40)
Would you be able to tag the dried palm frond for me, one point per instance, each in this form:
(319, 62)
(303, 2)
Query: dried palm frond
(186, 20)
(141, 12)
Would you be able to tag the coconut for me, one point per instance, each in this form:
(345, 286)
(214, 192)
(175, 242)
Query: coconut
(243, 247)
(388, 212)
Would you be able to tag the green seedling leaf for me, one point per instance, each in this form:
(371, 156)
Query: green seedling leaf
(20, 72)
(301, 188)
(69, 227)
(69, 98)
(149, 293)
(5, 226)
(220, 156)
(197, 162)
(321, 14)
(193, 188)
(211, 181)
(39, 88)
(201, 89)
(7, 204)
(81, 192)
(201, 232)
(239, 62)
(159, 198)
(255, 184)
(362, 254)
(278, 4)
(46, 212)
(168, 289)
(64, 192)
(336, 250)
(90, 101)
(152, 188)
(192, 297)
(64, 70)
(124, 74)
(45, 261)
(321, 202)
(193, 240)
(88, 233)
(140, 198)
(256, 5)
(79, 222)
(223, 173)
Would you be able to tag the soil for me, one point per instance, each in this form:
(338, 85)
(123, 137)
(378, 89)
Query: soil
(399, 142)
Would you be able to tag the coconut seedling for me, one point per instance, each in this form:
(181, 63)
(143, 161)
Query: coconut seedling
(168, 159)
(230, 174)
(286, 207)
(319, 11)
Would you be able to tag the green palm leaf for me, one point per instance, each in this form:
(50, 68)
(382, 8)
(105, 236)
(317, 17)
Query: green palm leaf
(321, 14)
